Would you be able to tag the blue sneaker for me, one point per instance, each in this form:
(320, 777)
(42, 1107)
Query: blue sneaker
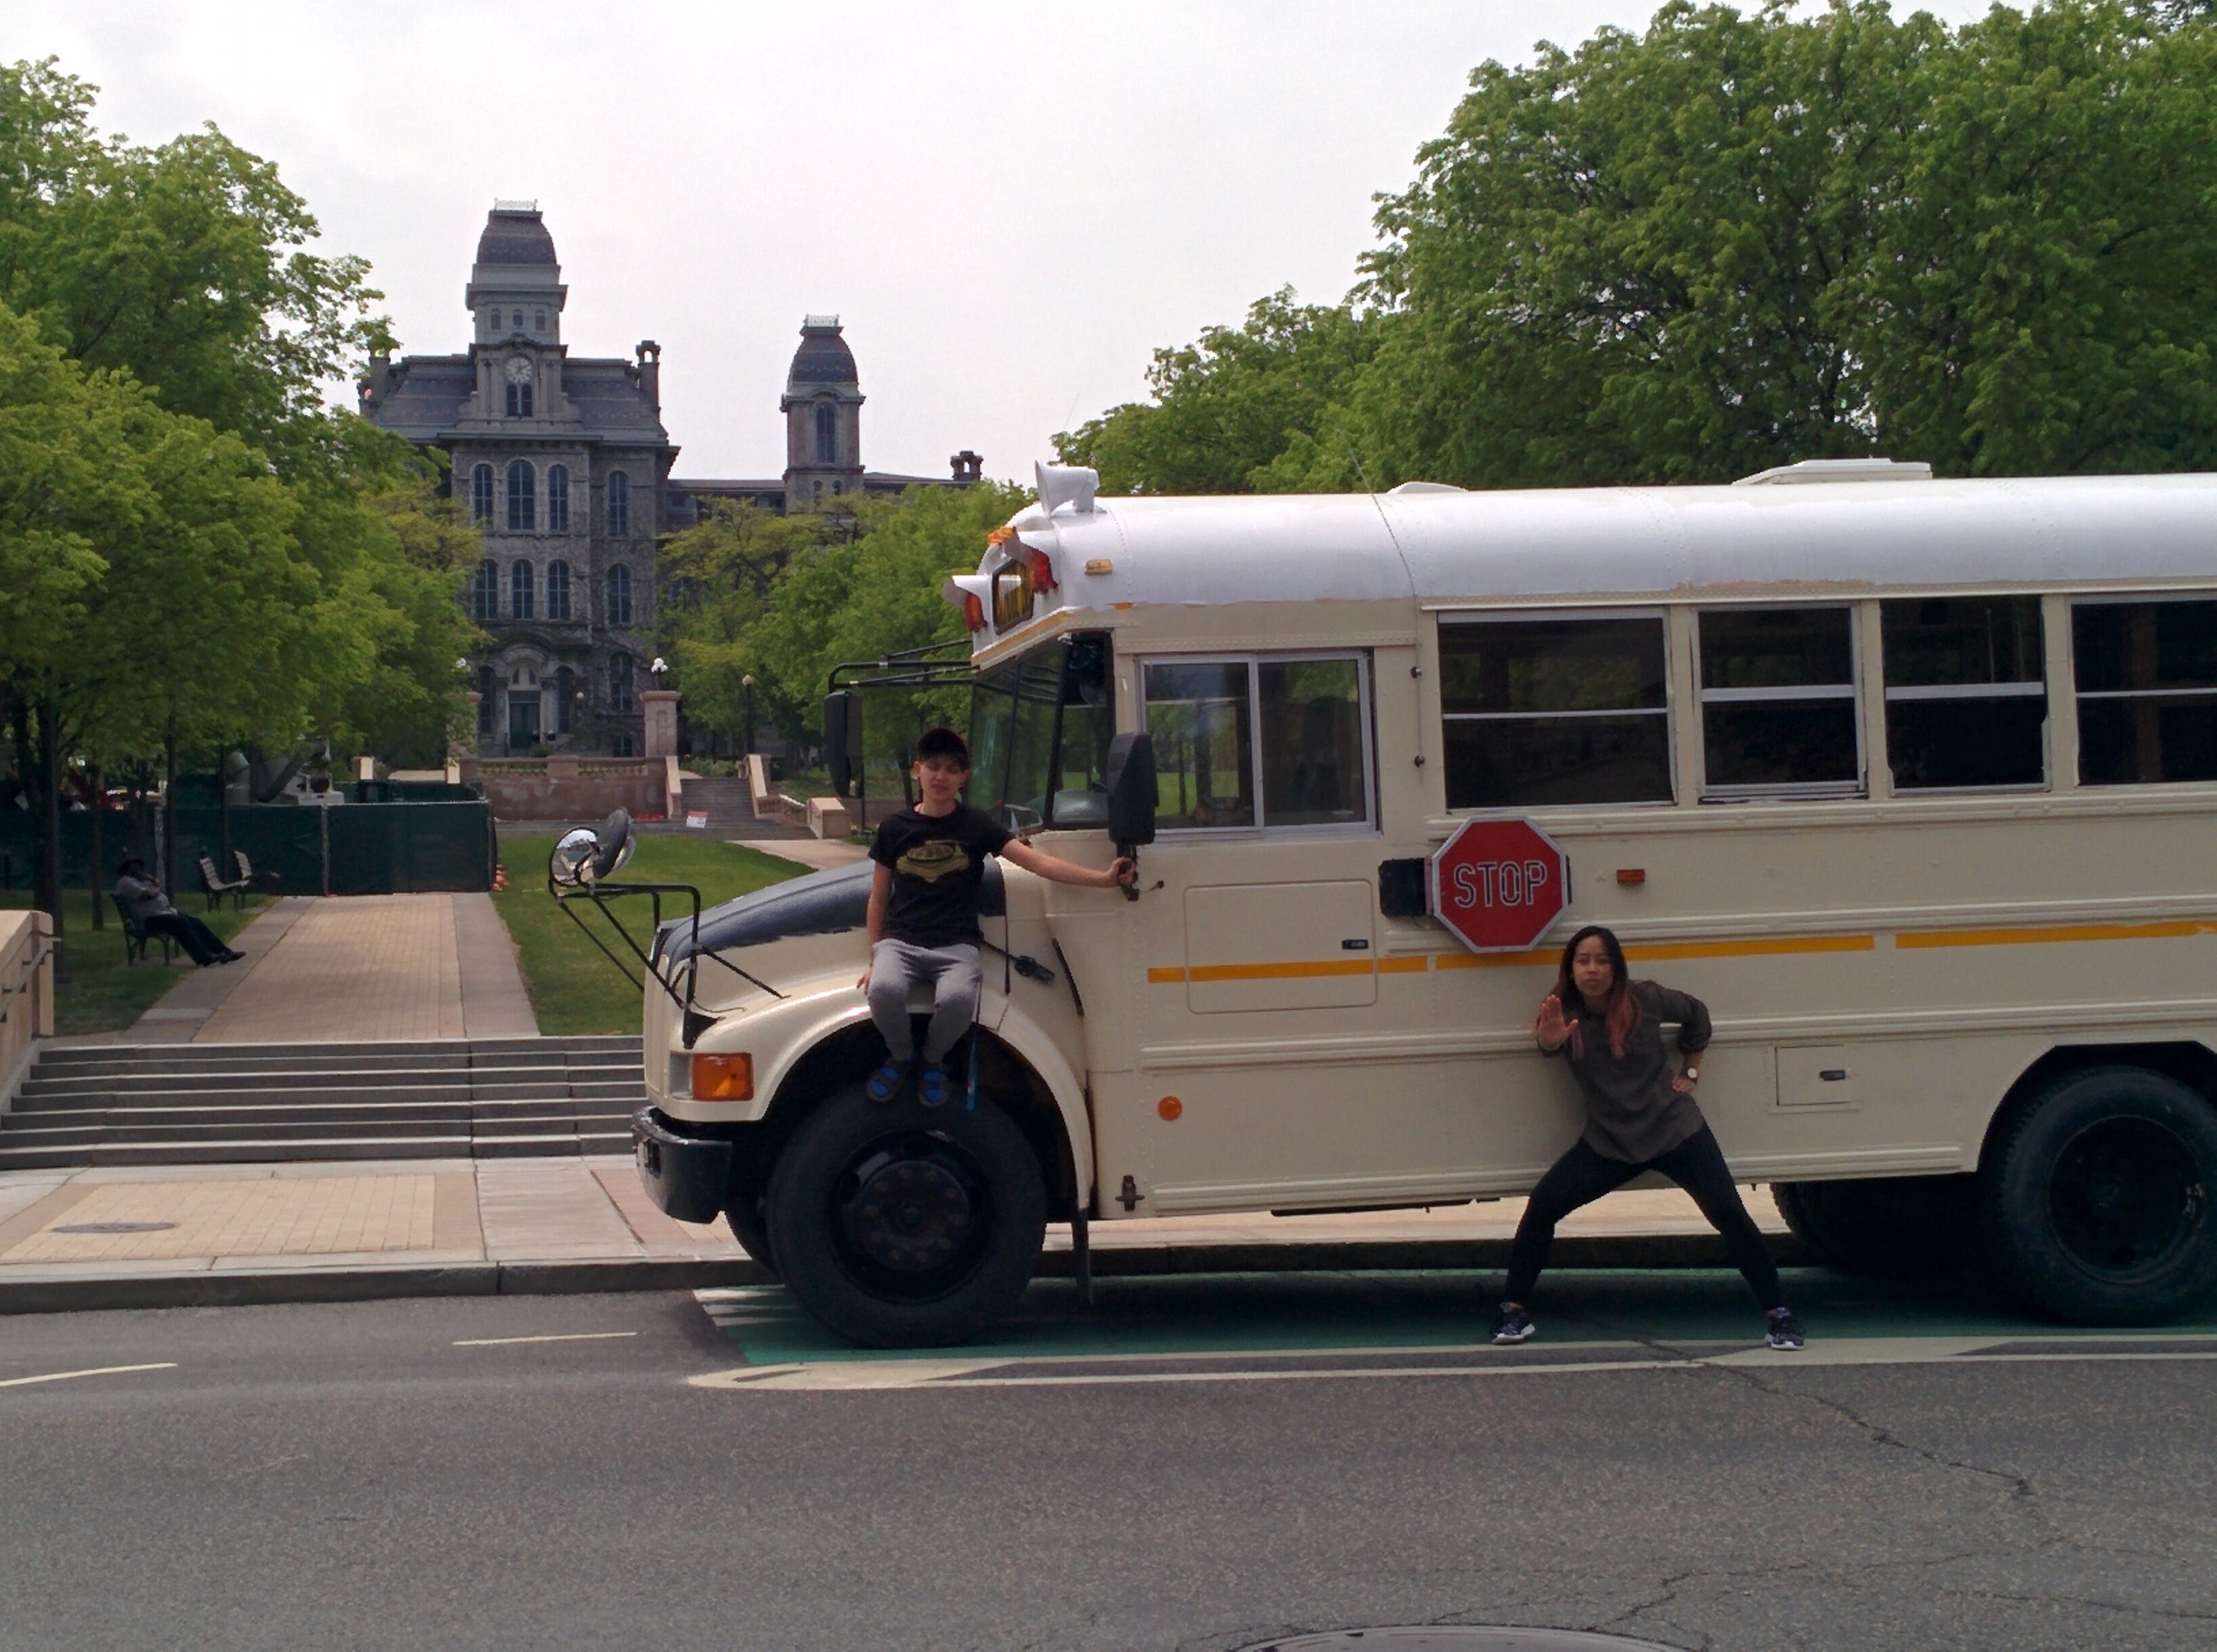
(1511, 1324)
(933, 1086)
(884, 1084)
(1786, 1331)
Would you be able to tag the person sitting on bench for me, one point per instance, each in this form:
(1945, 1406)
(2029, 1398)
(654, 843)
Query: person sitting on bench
(151, 910)
(923, 913)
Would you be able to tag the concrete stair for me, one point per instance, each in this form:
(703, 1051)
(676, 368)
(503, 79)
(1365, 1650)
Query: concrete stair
(731, 811)
(246, 1103)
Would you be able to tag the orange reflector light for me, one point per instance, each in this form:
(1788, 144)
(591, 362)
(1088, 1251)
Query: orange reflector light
(723, 1078)
(973, 611)
(1632, 874)
(1169, 1107)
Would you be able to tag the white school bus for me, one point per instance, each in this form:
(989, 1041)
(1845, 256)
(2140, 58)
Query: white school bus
(1913, 780)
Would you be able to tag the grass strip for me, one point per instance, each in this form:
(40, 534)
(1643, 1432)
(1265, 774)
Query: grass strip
(103, 993)
(573, 988)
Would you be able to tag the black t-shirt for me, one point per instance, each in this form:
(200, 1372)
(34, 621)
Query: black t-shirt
(938, 864)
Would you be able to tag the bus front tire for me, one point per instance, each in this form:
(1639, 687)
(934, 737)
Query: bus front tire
(899, 1226)
(749, 1225)
(2095, 1198)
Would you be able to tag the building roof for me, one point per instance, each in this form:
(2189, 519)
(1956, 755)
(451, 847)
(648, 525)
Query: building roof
(823, 357)
(423, 398)
(424, 395)
(1826, 539)
(515, 236)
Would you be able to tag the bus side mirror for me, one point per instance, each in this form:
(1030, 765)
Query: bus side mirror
(843, 739)
(1131, 793)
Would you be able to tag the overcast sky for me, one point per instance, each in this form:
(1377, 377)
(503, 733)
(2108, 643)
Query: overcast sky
(1008, 205)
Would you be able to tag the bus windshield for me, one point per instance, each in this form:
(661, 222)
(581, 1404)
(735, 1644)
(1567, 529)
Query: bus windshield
(1039, 736)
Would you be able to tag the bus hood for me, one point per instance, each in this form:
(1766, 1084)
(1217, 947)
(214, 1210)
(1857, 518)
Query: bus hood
(821, 903)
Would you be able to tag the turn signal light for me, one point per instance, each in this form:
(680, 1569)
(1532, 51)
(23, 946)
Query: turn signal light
(723, 1078)
(973, 611)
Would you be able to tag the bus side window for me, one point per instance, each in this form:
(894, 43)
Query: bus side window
(1543, 713)
(1778, 702)
(2148, 691)
(1259, 740)
(1965, 694)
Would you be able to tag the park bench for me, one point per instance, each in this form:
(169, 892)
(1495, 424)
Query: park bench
(216, 887)
(245, 868)
(136, 934)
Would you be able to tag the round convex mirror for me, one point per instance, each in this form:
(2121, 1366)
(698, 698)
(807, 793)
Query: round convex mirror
(573, 853)
(616, 846)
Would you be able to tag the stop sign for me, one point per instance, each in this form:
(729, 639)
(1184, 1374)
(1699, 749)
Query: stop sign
(1498, 884)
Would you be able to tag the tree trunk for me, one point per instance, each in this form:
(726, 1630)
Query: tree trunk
(96, 867)
(169, 812)
(225, 868)
(48, 805)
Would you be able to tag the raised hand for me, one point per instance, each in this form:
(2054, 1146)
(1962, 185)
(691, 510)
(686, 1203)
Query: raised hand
(1551, 1031)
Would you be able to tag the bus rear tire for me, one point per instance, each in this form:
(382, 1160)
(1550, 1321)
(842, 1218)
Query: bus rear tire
(2095, 1198)
(899, 1226)
(1909, 1229)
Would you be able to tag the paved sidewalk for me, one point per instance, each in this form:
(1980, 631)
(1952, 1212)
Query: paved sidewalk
(353, 968)
(338, 1231)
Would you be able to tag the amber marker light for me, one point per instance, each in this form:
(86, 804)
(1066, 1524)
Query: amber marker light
(1169, 1107)
(1632, 874)
(724, 1078)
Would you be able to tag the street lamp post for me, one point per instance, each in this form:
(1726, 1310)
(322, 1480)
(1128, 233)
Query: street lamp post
(747, 682)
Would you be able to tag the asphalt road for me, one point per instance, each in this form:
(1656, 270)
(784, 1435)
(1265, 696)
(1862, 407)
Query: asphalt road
(403, 1473)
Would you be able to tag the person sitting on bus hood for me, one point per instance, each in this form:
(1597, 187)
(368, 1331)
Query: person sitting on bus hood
(923, 913)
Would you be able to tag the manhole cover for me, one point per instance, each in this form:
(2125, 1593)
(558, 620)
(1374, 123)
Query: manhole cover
(115, 1227)
(1454, 1637)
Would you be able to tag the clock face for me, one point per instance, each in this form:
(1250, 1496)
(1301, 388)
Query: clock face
(519, 372)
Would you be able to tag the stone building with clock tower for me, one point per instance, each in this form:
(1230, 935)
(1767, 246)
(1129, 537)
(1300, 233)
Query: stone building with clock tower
(563, 463)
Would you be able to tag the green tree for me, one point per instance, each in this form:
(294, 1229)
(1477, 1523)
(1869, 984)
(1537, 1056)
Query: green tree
(715, 581)
(1227, 405)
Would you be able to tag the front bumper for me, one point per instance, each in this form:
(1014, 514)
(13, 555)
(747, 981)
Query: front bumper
(687, 1177)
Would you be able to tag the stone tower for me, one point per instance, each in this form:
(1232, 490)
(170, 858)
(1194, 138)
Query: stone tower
(823, 408)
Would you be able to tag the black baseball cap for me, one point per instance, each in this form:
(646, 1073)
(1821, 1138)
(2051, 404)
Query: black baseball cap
(942, 742)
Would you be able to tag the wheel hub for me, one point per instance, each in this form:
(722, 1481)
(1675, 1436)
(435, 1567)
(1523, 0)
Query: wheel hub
(2125, 1195)
(911, 1215)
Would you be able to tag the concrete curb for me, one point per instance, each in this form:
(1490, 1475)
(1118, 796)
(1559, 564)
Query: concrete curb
(55, 1294)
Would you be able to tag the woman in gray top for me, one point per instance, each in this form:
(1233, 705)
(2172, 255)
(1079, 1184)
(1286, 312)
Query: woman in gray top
(1639, 1116)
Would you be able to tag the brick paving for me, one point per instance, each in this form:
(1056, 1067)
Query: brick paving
(265, 1216)
(376, 967)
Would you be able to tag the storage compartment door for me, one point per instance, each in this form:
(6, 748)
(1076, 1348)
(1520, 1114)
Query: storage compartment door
(1259, 947)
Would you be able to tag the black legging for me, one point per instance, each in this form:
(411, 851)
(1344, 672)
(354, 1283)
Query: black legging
(1582, 1175)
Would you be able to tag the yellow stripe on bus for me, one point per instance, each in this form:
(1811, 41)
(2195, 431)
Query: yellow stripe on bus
(2174, 930)
(1777, 947)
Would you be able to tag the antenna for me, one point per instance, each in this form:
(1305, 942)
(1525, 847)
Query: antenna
(1415, 602)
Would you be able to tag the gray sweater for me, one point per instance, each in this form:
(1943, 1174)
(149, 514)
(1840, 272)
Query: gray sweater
(1632, 1115)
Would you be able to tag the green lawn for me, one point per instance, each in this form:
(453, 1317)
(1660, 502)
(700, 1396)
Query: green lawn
(103, 993)
(573, 988)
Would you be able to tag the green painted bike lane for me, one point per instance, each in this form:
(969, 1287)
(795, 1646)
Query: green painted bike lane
(1354, 1312)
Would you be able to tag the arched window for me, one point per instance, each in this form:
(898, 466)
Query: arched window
(485, 696)
(620, 682)
(519, 400)
(619, 505)
(827, 434)
(538, 320)
(481, 493)
(566, 680)
(558, 590)
(522, 516)
(519, 590)
(484, 593)
(620, 596)
(557, 499)
(516, 321)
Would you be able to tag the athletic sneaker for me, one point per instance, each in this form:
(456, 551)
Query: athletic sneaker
(1786, 1331)
(934, 1087)
(1511, 1324)
(884, 1084)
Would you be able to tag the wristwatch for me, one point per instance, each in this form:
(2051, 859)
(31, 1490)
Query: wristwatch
(1694, 1073)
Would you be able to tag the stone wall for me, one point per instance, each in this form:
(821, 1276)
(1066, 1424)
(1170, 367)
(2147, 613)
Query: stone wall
(571, 788)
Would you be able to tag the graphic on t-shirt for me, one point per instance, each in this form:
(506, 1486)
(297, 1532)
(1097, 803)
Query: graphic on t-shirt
(934, 860)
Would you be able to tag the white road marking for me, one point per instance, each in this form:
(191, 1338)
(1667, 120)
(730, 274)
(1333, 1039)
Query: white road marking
(97, 1370)
(860, 1375)
(566, 1336)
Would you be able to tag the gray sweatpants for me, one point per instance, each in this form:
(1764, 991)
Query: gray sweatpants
(952, 974)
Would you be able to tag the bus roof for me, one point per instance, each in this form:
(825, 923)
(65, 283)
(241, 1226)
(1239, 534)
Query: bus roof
(1627, 545)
